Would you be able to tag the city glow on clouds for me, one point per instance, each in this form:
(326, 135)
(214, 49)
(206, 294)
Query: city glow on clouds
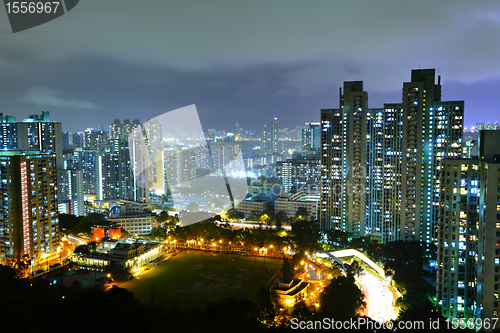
(47, 97)
(240, 60)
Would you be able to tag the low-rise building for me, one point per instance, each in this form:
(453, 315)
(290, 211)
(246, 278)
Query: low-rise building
(252, 207)
(94, 260)
(135, 254)
(291, 203)
(122, 255)
(106, 229)
(135, 224)
(290, 291)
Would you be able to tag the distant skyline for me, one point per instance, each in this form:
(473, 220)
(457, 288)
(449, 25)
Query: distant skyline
(245, 62)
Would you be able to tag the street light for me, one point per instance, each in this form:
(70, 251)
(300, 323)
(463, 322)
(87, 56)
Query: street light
(46, 256)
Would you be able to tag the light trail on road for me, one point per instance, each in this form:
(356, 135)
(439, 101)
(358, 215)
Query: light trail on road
(76, 240)
(378, 297)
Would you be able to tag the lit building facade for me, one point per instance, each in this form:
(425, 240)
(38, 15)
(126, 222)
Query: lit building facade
(296, 174)
(303, 199)
(332, 196)
(468, 278)
(343, 161)
(275, 136)
(263, 139)
(380, 167)
(383, 173)
(30, 223)
(311, 138)
(432, 129)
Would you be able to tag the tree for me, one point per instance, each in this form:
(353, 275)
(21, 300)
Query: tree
(82, 249)
(158, 233)
(124, 232)
(92, 246)
(67, 222)
(233, 213)
(341, 299)
(301, 214)
(281, 218)
(267, 306)
(306, 235)
(288, 269)
(355, 268)
(164, 216)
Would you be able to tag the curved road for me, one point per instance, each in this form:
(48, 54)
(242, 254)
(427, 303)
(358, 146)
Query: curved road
(380, 296)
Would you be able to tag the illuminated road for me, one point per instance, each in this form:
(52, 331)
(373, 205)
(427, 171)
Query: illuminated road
(240, 225)
(68, 245)
(77, 241)
(380, 296)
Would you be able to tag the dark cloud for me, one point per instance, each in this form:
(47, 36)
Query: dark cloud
(245, 61)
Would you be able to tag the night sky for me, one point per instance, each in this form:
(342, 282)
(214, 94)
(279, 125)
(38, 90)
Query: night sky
(245, 61)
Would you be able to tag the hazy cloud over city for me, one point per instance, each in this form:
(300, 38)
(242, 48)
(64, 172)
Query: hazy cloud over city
(245, 62)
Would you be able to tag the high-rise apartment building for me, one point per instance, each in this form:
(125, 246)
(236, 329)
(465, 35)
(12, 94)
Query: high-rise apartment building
(223, 155)
(432, 129)
(8, 132)
(37, 132)
(302, 173)
(332, 196)
(122, 170)
(154, 131)
(95, 139)
(78, 140)
(311, 138)
(67, 140)
(115, 129)
(178, 167)
(381, 166)
(275, 136)
(263, 139)
(468, 278)
(383, 173)
(343, 161)
(70, 188)
(29, 219)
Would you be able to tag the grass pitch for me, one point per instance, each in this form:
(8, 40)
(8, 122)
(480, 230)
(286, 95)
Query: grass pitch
(196, 278)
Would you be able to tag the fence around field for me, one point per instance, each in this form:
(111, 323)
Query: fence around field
(266, 252)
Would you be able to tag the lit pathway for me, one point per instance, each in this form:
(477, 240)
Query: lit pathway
(380, 297)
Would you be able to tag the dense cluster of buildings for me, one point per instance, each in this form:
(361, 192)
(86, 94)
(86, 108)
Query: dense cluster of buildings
(401, 172)
(380, 167)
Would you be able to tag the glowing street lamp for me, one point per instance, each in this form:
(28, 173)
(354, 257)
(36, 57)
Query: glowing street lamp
(46, 256)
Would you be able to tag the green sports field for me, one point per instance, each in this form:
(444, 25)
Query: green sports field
(196, 278)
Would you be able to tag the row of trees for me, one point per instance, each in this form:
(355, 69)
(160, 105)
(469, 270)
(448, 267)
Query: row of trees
(71, 224)
(304, 236)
